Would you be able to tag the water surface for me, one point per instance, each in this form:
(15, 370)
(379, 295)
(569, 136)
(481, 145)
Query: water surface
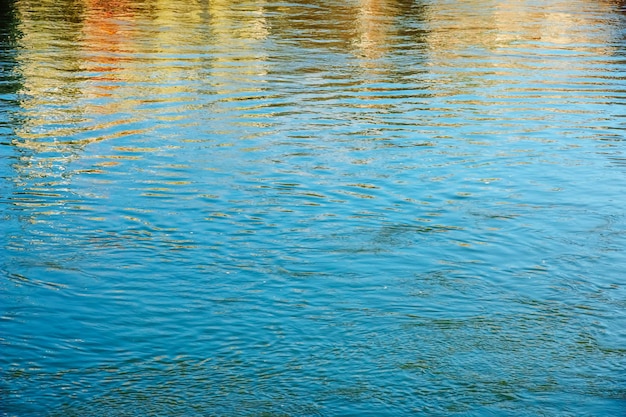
(334, 208)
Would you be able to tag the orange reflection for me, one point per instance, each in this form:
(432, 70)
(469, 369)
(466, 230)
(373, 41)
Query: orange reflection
(105, 38)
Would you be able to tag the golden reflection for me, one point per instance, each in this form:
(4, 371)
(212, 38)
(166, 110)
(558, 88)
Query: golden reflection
(453, 28)
(81, 58)
(240, 62)
(48, 60)
(554, 23)
(373, 27)
(227, 24)
(105, 39)
(460, 33)
(140, 61)
(482, 43)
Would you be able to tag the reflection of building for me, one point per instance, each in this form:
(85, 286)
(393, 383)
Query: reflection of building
(48, 60)
(228, 23)
(491, 24)
(488, 36)
(105, 37)
(453, 28)
(83, 59)
(556, 23)
(238, 43)
(366, 28)
(373, 26)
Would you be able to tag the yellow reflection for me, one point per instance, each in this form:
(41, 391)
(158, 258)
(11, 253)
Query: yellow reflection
(240, 62)
(373, 27)
(81, 60)
(453, 27)
(48, 60)
(475, 42)
(227, 24)
(106, 38)
(555, 23)
(458, 29)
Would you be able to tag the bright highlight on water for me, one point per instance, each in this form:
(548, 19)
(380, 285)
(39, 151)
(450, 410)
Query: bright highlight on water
(313, 208)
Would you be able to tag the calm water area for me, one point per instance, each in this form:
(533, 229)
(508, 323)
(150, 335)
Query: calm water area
(312, 208)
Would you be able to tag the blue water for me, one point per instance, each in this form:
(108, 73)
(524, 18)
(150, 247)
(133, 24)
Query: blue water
(299, 208)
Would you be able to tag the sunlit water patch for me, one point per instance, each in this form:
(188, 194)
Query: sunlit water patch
(312, 208)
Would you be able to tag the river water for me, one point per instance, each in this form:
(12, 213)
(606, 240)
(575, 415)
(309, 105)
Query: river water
(312, 208)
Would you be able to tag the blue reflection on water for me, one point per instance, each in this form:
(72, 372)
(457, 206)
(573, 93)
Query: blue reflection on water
(361, 208)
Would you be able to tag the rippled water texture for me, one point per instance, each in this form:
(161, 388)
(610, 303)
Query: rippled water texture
(312, 207)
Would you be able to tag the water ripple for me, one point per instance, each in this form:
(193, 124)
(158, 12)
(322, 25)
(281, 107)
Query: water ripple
(312, 208)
